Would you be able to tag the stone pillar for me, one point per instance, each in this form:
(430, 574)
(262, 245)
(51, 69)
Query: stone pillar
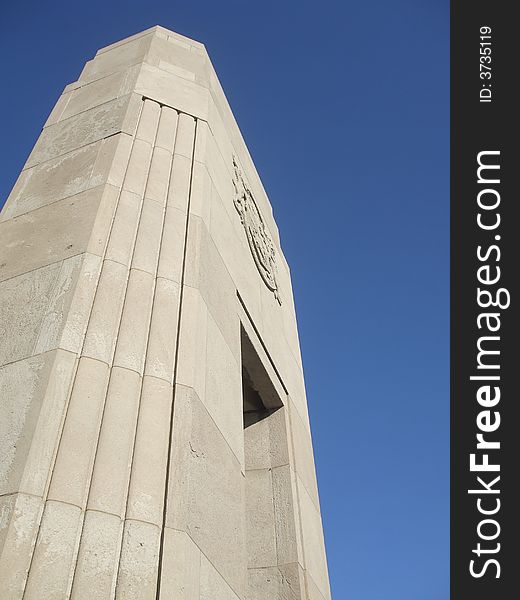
(144, 297)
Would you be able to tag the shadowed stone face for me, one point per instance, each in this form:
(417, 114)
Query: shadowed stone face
(154, 434)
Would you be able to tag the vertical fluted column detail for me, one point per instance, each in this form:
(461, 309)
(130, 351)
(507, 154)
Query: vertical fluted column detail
(140, 553)
(104, 507)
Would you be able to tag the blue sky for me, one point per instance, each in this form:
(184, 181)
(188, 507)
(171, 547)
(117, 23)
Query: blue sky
(345, 108)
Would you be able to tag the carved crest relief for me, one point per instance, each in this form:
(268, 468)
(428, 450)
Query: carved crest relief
(258, 236)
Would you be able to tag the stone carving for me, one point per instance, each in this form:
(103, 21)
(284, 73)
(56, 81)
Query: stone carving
(260, 241)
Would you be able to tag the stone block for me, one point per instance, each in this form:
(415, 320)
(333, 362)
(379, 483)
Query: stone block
(178, 59)
(162, 340)
(76, 453)
(148, 241)
(122, 236)
(230, 240)
(148, 121)
(185, 137)
(117, 58)
(167, 130)
(179, 190)
(315, 560)
(206, 271)
(53, 393)
(181, 567)
(59, 178)
(257, 445)
(174, 91)
(77, 316)
(54, 554)
(276, 583)
(285, 522)
(106, 311)
(56, 315)
(122, 144)
(35, 291)
(159, 176)
(19, 520)
(191, 362)
(119, 115)
(98, 556)
(60, 105)
(313, 591)
(303, 454)
(260, 519)
(212, 585)
(172, 246)
(200, 203)
(266, 444)
(135, 322)
(22, 385)
(131, 38)
(223, 392)
(138, 567)
(49, 234)
(98, 92)
(103, 221)
(109, 485)
(7, 502)
(206, 491)
(137, 174)
(147, 485)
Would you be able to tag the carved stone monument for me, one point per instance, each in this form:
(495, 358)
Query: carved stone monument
(154, 434)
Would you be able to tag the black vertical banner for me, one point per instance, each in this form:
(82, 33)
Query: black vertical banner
(485, 336)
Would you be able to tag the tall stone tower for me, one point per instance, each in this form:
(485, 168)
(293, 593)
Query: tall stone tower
(154, 435)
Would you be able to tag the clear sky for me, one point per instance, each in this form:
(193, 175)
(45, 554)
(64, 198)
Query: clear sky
(344, 106)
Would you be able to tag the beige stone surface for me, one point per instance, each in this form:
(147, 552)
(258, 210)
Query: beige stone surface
(54, 180)
(122, 236)
(76, 453)
(172, 247)
(173, 90)
(167, 130)
(191, 362)
(276, 583)
(162, 340)
(148, 242)
(159, 176)
(53, 559)
(260, 519)
(206, 271)
(46, 433)
(134, 312)
(78, 313)
(147, 485)
(98, 92)
(181, 566)
(206, 493)
(138, 568)
(19, 518)
(98, 556)
(100, 122)
(111, 474)
(135, 321)
(213, 586)
(39, 238)
(35, 291)
(223, 394)
(116, 58)
(22, 386)
(106, 311)
(285, 516)
(314, 548)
